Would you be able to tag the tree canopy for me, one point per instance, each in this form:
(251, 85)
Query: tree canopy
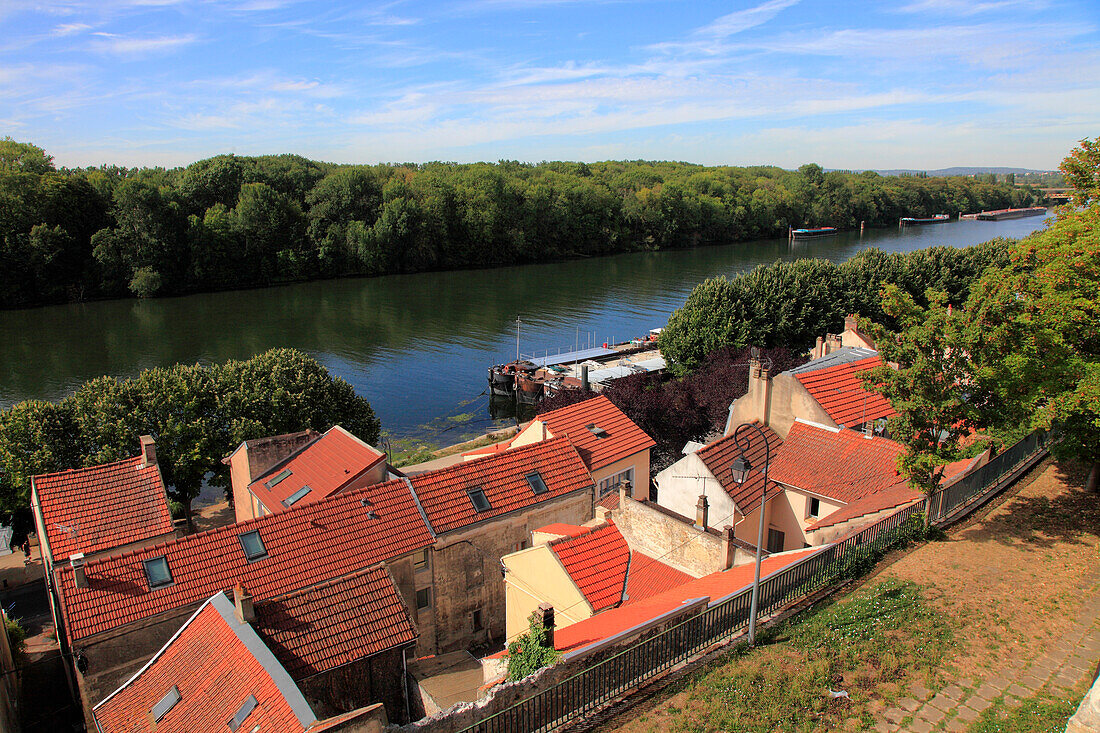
(196, 413)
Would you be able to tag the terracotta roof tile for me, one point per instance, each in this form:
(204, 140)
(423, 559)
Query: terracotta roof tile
(563, 530)
(92, 509)
(597, 562)
(890, 498)
(609, 501)
(714, 586)
(445, 493)
(842, 395)
(215, 673)
(622, 437)
(305, 546)
(648, 577)
(326, 465)
(839, 464)
(337, 622)
(719, 456)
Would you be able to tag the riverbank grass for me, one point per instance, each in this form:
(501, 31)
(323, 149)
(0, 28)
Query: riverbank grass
(871, 645)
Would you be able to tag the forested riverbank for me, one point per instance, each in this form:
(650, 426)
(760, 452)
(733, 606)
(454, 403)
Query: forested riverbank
(234, 222)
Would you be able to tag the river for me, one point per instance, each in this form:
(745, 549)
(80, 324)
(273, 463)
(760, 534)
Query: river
(416, 346)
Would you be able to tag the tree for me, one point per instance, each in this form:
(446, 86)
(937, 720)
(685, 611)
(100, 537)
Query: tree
(529, 652)
(18, 157)
(1081, 170)
(927, 389)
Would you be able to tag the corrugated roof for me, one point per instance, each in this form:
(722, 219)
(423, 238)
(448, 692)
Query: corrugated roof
(840, 464)
(215, 672)
(305, 546)
(445, 494)
(621, 437)
(570, 356)
(840, 392)
(719, 457)
(335, 623)
(93, 509)
(325, 466)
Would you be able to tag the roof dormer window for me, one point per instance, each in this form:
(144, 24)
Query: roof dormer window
(157, 572)
(480, 501)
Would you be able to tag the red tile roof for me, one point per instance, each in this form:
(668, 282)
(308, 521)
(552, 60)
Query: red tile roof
(335, 623)
(215, 673)
(609, 501)
(596, 561)
(719, 456)
(326, 465)
(890, 498)
(563, 530)
(839, 464)
(715, 586)
(444, 493)
(623, 438)
(842, 395)
(92, 509)
(305, 546)
(602, 566)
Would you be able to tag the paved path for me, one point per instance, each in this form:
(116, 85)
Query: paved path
(1058, 671)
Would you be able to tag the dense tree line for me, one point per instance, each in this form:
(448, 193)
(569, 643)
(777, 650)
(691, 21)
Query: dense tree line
(232, 221)
(791, 303)
(196, 413)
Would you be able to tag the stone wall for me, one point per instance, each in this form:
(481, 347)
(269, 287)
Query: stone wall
(662, 533)
(376, 679)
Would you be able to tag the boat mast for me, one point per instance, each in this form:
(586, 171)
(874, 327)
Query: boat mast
(517, 338)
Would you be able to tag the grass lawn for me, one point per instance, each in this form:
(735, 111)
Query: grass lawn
(868, 645)
(1040, 714)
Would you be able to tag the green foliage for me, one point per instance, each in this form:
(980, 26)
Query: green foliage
(1081, 170)
(17, 639)
(791, 303)
(529, 652)
(196, 414)
(1040, 714)
(232, 221)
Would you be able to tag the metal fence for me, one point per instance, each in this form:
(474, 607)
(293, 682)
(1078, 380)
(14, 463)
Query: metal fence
(974, 485)
(609, 678)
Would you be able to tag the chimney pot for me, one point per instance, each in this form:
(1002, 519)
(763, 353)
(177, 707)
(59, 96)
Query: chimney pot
(702, 510)
(80, 576)
(148, 451)
(545, 618)
(243, 607)
(731, 548)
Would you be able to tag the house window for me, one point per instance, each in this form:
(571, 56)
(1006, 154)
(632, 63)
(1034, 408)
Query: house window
(423, 598)
(243, 712)
(157, 573)
(535, 481)
(480, 501)
(166, 703)
(612, 483)
(253, 545)
(775, 540)
(475, 620)
(421, 559)
(521, 545)
(813, 507)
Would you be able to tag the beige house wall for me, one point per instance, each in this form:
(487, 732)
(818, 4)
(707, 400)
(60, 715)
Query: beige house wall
(639, 462)
(239, 477)
(680, 485)
(535, 576)
(533, 433)
(777, 407)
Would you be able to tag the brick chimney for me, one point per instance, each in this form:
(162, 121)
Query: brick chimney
(759, 394)
(148, 451)
(851, 323)
(243, 608)
(80, 577)
(702, 512)
(731, 549)
(544, 616)
(819, 347)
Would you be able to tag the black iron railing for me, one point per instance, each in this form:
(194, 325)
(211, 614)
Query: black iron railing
(974, 486)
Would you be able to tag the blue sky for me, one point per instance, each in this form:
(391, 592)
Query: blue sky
(860, 84)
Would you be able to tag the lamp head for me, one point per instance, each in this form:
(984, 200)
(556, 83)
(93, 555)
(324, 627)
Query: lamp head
(740, 469)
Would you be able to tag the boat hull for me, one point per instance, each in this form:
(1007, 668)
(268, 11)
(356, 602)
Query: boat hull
(814, 233)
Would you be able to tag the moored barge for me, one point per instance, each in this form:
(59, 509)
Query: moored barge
(1000, 214)
(915, 221)
(814, 232)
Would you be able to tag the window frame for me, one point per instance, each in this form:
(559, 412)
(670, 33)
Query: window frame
(541, 482)
(145, 564)
(427, 595)
(244, 548)
(421, 560)
(810, 513)
(479, 491)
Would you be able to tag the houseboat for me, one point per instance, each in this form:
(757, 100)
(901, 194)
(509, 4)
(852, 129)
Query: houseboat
(914, 221)
(815, 232)
(1000, 214)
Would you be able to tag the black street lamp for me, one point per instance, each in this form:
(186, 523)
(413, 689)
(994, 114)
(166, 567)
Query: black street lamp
(741, 468)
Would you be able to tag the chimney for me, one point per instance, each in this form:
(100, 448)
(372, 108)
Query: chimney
(242, 605)
(584, 377)
(80, 577)
(731, 549)
(819, 347)
(760, 391)
(834, 342)
(544, 616)
(702, 510)
(148, 451)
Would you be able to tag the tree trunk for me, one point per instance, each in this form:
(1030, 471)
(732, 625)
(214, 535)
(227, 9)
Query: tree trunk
(1092, 483)
(927, 512)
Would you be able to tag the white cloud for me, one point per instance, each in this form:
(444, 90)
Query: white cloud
(743, 20)
(970, 7)
(122, 45)
(68, 29)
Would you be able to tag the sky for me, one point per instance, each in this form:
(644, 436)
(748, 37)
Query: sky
(859, 84)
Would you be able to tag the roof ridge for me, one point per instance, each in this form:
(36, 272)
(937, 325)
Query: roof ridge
(109, 464)
(588, 531)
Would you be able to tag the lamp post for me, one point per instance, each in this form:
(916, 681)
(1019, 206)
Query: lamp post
(741, 468)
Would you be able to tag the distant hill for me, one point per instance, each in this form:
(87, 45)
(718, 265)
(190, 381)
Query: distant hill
(962, 170)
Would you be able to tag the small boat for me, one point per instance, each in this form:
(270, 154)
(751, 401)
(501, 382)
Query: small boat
(815, 232)
(913, 221)
(529, 388)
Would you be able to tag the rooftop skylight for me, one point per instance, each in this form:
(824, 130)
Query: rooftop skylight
(536, 482)
(166, 703)
(253, 545)
(481, 502)
(280, 476)
(157, 572)
(242, 713)
(596, 430)
(296, 496)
